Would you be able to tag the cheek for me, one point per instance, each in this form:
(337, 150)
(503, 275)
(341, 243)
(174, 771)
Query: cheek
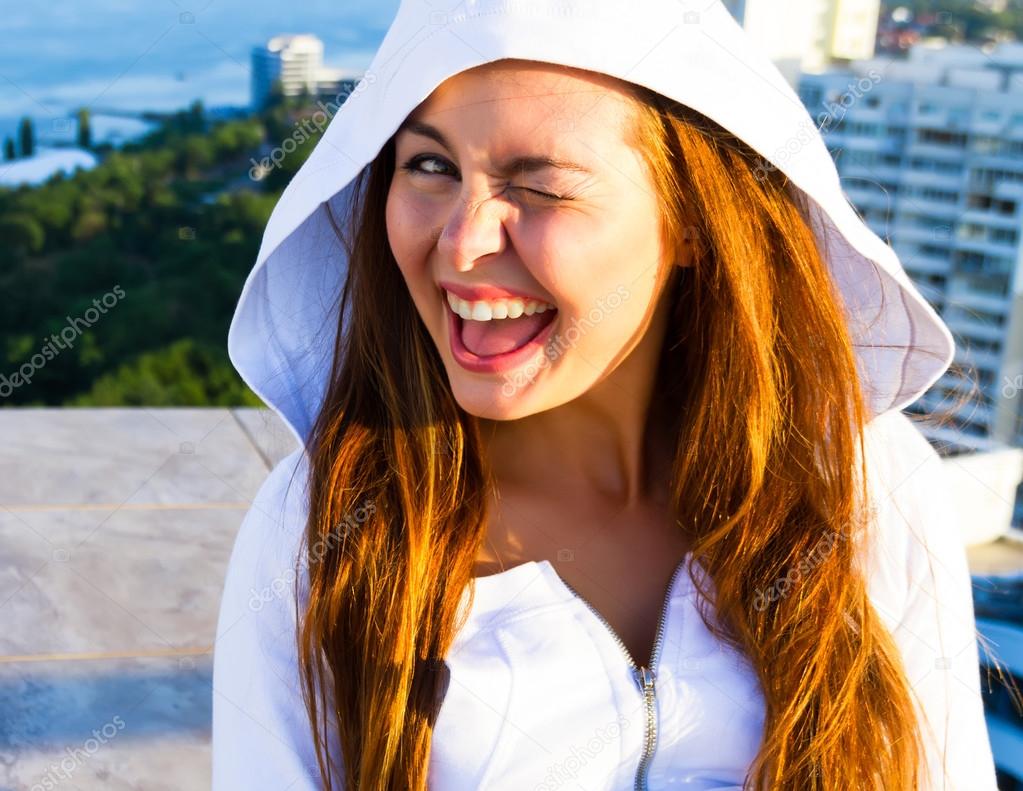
(407, 233)
(603, 275)
(579, 259)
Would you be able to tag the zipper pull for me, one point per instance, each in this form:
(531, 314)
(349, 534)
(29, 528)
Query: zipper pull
(645, 679)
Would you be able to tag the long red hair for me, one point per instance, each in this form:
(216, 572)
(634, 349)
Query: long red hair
(760, 370)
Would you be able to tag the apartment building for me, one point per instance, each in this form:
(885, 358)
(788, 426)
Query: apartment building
(930, 151)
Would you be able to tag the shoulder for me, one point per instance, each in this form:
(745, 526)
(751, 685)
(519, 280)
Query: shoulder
(273, 528)
(261, 734)
(911, 524)
(919, 583)
(259, 595)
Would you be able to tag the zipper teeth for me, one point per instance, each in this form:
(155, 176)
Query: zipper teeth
(649, 696)
(640, 672)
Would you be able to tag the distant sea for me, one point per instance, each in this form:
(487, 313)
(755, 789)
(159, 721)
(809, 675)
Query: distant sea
(160, 55)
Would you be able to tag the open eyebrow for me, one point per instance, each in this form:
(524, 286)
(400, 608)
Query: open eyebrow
(517, 164)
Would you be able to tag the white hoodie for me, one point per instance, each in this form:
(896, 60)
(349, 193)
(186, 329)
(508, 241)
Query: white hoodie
(541, 694)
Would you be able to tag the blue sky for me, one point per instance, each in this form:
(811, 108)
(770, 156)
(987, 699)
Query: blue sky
(161, 54)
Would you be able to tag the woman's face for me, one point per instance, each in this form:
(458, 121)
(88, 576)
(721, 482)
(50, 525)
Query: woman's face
(515, 185)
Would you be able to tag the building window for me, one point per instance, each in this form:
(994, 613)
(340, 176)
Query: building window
(940, 196)
(934, 250)
(941, 137)
(984, 345)
(1005, 235)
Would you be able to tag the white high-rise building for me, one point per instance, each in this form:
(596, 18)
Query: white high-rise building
(295, 60)
(930, 152)
(809, 35)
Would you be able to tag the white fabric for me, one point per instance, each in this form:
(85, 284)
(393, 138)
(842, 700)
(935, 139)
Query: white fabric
(540, 696)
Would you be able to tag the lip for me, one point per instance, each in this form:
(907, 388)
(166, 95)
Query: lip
(485, 292)
(495, 363)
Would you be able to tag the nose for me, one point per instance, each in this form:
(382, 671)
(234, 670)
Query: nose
(474, 228)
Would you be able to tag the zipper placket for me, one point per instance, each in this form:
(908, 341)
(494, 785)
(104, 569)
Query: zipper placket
(645, 676)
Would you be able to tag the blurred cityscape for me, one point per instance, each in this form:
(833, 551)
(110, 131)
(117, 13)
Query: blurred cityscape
(159, 212)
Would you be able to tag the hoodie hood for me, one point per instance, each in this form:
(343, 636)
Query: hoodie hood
(693, 51)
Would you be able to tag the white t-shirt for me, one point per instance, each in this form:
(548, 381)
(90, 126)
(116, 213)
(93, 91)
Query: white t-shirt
(541, 695)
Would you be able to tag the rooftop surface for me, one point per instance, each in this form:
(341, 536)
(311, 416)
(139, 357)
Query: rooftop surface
(116, 526)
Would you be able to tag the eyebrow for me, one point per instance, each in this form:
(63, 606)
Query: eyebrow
(516, 164)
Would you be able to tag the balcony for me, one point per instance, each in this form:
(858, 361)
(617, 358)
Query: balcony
(916, 177)
(989, 219)
(934, 233)
(866, 196)
(970, 328)
(960, 294)
(983, 359)
(917, 264)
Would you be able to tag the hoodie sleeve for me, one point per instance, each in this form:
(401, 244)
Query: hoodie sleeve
(261, 733)
(925, 596)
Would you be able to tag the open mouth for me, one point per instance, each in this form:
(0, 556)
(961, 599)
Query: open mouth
(498, 344)
(501, 336)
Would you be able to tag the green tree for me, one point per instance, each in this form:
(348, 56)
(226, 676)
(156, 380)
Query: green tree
(84, 128)
(275, 98)
(180, 256)
(194, 155)
(90, 223)
(27, 136)
(9, 152)
(196, 121)
(236, 138)
(185, 373)
(22, 233)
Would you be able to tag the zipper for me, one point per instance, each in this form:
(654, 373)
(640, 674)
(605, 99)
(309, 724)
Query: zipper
(645, 676)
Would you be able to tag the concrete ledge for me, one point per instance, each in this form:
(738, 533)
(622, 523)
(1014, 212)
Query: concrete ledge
(116, 525)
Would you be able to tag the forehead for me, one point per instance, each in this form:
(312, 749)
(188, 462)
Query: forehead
(546, 101)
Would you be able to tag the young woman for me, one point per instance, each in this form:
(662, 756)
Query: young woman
(603, 480)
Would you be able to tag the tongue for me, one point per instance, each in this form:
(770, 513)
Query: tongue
(485, 338)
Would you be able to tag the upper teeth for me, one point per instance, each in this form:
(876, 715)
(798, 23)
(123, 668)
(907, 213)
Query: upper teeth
(495, 308)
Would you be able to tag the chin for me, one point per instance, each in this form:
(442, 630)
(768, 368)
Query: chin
(494, 401)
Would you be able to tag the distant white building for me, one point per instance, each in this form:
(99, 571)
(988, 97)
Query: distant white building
(930, 151)
(809, 35)
(295, 60)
